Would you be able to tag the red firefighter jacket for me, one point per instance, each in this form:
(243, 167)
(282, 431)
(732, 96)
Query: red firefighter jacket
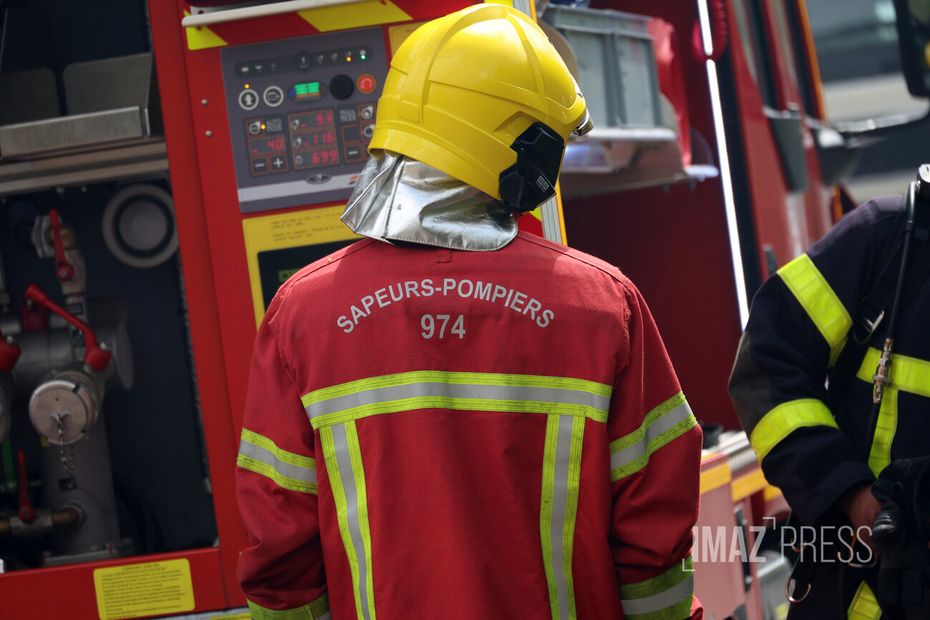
(442, 434)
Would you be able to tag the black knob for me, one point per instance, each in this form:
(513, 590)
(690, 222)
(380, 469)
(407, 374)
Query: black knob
(923, 181)
(342, 86)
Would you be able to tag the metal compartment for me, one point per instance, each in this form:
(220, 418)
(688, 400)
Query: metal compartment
(617, 66)
(635, 142)
(108, 101)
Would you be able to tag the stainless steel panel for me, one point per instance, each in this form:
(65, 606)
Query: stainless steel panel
(72, 132)
(121, 162)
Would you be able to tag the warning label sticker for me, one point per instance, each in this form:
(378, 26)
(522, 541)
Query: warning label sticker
(278, 245)
(144, 589)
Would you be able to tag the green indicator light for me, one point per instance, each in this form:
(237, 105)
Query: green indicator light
(307, 90)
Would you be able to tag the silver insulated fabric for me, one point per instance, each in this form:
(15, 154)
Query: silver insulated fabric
(401, 199)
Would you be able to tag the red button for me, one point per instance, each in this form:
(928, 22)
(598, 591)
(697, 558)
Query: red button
(366, 84)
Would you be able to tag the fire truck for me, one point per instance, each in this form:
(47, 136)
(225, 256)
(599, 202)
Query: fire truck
(164, 167)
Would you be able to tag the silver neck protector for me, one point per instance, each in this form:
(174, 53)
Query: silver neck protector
(398, 199)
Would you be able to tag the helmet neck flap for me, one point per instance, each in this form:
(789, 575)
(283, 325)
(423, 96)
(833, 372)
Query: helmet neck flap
(398, 199)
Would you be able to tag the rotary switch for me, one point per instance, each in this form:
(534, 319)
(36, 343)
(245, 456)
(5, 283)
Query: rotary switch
(342, 86)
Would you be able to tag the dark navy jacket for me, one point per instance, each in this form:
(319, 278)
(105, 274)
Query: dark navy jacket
(813, 444)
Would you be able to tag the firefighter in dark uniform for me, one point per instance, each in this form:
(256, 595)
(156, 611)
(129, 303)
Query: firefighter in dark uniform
(811, 427)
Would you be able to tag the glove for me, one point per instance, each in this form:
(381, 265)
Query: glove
(901, 532)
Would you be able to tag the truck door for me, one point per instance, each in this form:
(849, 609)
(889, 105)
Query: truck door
(766, 85)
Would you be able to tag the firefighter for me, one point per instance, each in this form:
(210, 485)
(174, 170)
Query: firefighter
(467, 421)
(821, 416)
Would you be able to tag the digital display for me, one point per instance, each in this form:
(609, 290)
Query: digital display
(316, 158)
(324, 118)
(263, 146)
(311, 120)
(327, 136)
(313, 139)
(307, 88)
(305, 91)
(324, 157)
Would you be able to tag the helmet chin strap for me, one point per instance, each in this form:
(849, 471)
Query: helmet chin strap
(531, 181)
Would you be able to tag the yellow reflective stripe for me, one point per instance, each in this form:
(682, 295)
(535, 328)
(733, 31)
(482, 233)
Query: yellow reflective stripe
(261, 455)
(561, 476)
(864, 605)
(885, 427)
(428, 389)
(666, 596)
(662, 425)
(571, 510)
(819, 301)
(908, 374)
(261, 441)
(545, 512)
(270, 472)
(660, 582)
(315, 610)
(462, 378)
(457, 404)
(787, 418)
(347, 502)
(358, 472)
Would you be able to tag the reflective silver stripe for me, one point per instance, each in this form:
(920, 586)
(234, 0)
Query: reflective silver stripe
(559, 500)
(454, 390)
(558, 509)
(341, 450)
(663, 600)
(653, 432)
(263, 455)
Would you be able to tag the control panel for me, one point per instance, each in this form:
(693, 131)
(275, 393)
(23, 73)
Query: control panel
(301, 112)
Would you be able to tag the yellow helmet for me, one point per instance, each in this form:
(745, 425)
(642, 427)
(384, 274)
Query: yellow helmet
(482, 95)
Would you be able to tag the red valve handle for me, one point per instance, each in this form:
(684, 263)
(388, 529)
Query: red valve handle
(94, 356)
(26, 512)
(64, 271)
(9, 354)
